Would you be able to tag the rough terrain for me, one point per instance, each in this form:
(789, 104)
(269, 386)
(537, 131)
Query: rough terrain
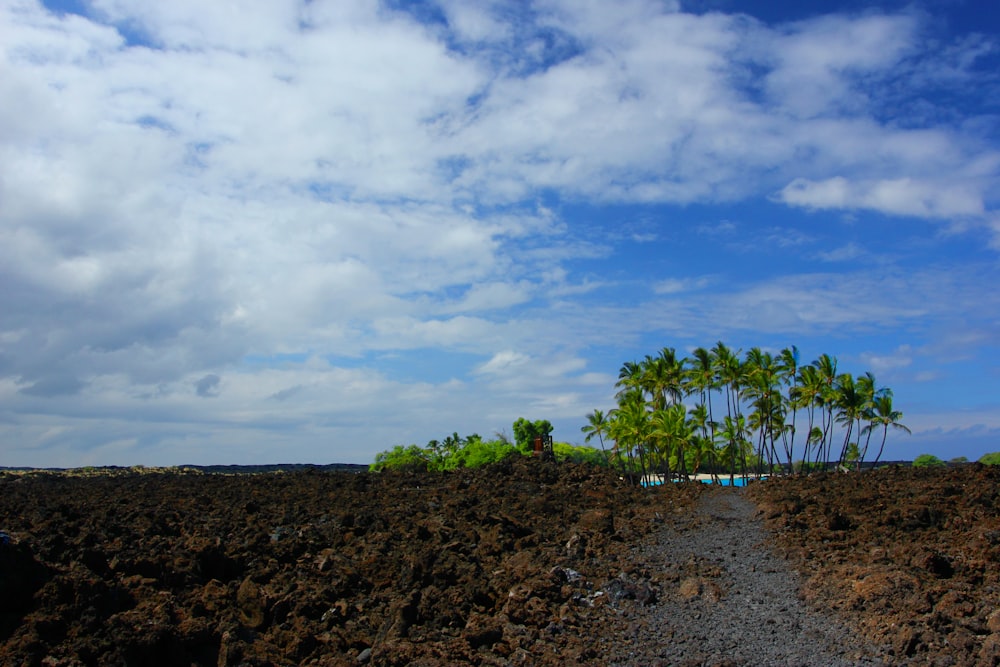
(908, 556)
(727, 599)
(525, 563)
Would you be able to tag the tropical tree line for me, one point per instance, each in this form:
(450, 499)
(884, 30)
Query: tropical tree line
(473, 451)
(748, 414)
(931, 461)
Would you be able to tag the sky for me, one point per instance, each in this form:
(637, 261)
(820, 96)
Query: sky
(307, 231)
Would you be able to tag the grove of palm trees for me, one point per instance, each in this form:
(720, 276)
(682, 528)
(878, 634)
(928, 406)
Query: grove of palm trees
(742, 415)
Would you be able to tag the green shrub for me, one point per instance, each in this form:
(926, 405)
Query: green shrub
(477, 453)
(450, 454)
(927, 461)
(410, 458)
(991, 459)
(578, 454)
(454, 452)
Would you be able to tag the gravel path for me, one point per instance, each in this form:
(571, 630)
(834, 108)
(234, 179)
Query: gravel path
(724, 599)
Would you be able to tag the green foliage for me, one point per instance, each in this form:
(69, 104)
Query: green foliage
(526, 431)
(477, 453)
(410, 458)
(990, 459)
(927, 461)
(754, 413)
(472, 451)
(451, 453)
(808, 466)
(578, 454)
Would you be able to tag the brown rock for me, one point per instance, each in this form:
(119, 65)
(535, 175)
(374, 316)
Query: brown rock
(597, 521)
(250, 604)
(993, 621)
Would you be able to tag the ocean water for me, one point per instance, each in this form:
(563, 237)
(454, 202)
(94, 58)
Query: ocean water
(737, 481)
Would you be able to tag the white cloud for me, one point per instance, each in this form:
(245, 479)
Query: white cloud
(475, 22)
(831, 193)
(901, 357)
(844, 253)
(868, 299)
(184, 186)
(902, 196)
(817, 62)
(504, 363)
(493, 296)
(680, 285)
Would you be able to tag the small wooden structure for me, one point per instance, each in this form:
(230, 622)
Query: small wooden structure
(543, 447)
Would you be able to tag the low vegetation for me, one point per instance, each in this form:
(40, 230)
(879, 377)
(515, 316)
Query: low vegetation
(991, 459)
(472, 451)
(928, 461)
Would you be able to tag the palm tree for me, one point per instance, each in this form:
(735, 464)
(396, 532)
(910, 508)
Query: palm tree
(884, 415)
(729, 372)
(646, 426)
(768, 416)
(763, 388)
(788, 369)
(670, 375)
(436, 455)
(701, 378)
(869, 390)
(826, 368)
(630, 428)
(597, 424)
(808, 393)
(733, 436)
(732, 376)
(704, 445)
(671, 429)
(629, 377)
(850, 400)
(703, 450)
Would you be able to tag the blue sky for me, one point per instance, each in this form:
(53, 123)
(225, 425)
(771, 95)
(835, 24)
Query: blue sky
(288, 231)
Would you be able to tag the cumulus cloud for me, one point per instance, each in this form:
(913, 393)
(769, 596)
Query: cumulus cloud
(185, 186)
(503, 363)
(901, 357)
(864, 300)
(820, 65)
(902, 196)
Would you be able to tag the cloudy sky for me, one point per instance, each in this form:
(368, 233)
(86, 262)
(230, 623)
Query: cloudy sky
(305, 231)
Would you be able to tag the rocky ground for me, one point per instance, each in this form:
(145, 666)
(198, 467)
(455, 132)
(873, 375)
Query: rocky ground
(908, 556)
(525, 563)
(727, 599)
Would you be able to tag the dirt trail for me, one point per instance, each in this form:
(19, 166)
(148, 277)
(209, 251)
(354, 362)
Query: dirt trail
(727, 600)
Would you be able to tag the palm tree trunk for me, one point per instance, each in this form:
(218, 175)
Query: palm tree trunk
(885, 433)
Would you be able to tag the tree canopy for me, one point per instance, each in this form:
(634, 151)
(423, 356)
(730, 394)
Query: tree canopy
(472, 451)
(927, 461)
(734, 413)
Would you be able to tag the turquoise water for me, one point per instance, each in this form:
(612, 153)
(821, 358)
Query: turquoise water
(738, 481)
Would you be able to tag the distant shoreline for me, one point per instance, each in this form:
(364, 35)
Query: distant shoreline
(233, 469)
(238, 469)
